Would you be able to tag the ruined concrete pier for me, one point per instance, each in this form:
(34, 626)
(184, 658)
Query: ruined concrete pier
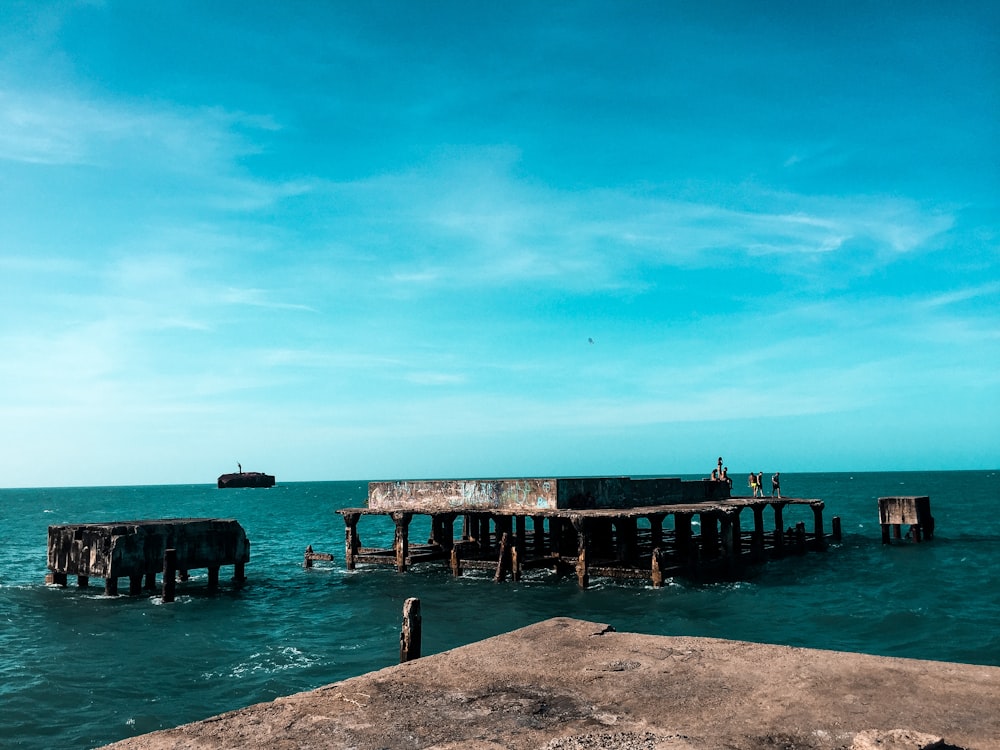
(616, 527)
(914, 511)
(137, 550)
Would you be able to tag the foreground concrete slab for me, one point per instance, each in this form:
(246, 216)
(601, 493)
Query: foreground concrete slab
(573, 685)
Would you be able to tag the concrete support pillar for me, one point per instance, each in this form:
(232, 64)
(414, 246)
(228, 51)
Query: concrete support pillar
(483, 536)
(111, 586)
(683, 536)
(169, 575)
(818, 535)
(779, 527)
(757, 545)
(538, 527)
(213, 577)
(352, 542)
(656, 529)
(401, 543)
(709, 535)
(626, 538)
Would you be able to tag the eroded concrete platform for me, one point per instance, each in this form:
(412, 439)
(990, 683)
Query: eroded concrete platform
(568, 684)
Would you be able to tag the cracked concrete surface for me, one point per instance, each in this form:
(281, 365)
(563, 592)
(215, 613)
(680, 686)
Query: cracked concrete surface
(566, 684)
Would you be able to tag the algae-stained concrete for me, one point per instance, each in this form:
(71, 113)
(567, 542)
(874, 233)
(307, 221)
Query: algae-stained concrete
(567, 684)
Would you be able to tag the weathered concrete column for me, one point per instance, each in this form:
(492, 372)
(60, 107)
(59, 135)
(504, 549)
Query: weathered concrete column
(757, 545)
(779, 526)
(410, 633)
(835, 530)
(820, 538)
(111, 586)
(582, 529)
(656, 529)
(213, 577)
(83, 582)
(169, 574)
(737, 532)
(483, 536)
(538, 529)
(683, 536)
(352, 542)
(445, 532)
(729, 530)
(239, 572)
(134, 585)
(800, 538)
(709, 535)
(151, 580)
(626, 538)
(401, 543)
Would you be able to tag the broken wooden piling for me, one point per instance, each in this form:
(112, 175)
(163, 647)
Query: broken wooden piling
(410, 634)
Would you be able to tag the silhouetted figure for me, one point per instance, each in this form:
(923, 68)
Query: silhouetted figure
(776, 484)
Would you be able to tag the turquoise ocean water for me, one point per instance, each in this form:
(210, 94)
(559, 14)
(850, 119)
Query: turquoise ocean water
(78, 669)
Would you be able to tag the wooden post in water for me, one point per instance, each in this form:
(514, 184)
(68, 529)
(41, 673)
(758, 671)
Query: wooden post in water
(656, 572)
(169, 573)
(583, 550)
(835, 524)
(409, 636)
(504, 562)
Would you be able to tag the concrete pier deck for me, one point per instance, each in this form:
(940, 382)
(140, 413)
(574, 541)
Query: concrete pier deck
(567, 684)
(616, 527)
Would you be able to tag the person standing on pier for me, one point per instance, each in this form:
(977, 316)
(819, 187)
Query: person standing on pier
(776, 484)
(752, 482)
(760, 483)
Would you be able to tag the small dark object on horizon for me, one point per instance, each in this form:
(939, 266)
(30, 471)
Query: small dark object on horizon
(246, 479)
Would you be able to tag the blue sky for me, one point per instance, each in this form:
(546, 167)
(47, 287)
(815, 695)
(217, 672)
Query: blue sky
(375, 240)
